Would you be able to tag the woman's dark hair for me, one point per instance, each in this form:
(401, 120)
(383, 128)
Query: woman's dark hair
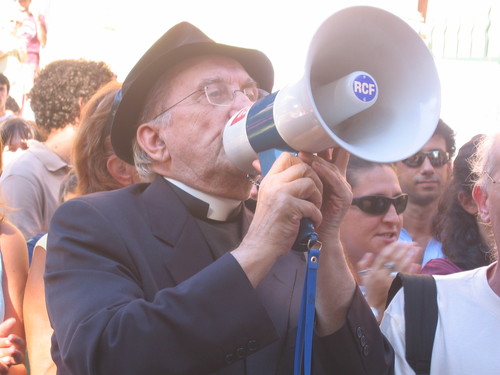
(5, 81)
(448, 134)
(357, 164)
(17, 127)
(12, 105)
(457, 229)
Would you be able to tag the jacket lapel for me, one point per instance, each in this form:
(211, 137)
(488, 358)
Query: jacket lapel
(186, 251)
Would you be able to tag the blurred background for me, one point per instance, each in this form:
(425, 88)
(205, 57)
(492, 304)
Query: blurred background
(464, 38)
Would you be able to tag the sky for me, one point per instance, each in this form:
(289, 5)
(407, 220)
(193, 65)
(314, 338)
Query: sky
(119, 32)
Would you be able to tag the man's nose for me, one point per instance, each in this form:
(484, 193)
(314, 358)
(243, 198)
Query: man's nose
(240, 101)
(427, 166)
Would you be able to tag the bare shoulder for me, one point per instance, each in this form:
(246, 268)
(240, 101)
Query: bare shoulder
(9, 230)
(11, 238)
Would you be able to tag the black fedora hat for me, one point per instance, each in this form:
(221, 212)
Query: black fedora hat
(181, 42)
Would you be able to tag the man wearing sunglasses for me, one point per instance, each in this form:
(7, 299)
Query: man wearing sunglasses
(423, 177)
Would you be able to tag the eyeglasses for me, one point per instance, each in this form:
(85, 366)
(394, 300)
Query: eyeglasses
(380, 204)
(221, 94)
(438, 158)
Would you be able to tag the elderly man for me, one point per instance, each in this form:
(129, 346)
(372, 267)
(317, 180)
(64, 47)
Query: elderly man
(175, 276)
(468, 302)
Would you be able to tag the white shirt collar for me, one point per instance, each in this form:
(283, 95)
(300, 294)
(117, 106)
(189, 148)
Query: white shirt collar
(219, 208)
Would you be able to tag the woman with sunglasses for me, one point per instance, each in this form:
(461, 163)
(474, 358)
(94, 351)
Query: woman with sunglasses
(370, 230)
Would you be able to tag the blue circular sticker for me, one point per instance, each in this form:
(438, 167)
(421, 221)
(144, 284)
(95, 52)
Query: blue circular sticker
(364, 88)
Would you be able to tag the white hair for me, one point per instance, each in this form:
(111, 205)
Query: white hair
(153, 104)
(484, 159)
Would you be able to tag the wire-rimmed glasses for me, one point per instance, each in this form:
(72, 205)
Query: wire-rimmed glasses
(221, 94)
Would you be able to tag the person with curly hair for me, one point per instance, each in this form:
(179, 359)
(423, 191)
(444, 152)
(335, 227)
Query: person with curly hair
(30, 185)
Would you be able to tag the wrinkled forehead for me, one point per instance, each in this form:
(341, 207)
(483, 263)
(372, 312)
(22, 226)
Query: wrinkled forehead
(191, 74)
(206, 67)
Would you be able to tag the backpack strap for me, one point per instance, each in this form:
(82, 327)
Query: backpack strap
(421, 315)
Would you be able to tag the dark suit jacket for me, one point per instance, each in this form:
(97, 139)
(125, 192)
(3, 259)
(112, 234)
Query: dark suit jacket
(132, 288)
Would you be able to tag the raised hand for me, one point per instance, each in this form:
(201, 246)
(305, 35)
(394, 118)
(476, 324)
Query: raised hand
(376, 272)
(12, 347)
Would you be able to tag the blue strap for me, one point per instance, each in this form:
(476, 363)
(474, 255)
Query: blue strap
(303, 342)
(307, 240)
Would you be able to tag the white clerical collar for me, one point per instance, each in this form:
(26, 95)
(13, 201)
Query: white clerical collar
(218, 208)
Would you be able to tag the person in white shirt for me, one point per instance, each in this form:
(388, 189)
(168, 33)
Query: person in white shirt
(468, 324)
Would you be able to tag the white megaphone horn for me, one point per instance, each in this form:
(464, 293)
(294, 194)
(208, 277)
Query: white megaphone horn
(370, 86)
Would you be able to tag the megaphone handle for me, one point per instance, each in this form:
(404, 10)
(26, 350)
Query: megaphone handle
(307, 236)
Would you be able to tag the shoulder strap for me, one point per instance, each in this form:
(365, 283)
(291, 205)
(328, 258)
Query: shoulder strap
(421, 314)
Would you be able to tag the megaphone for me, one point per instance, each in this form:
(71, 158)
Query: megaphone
(370, 86)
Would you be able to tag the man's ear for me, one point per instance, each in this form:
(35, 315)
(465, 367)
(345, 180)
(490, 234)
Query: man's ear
(480, 197)
(150, 140)
(121, 171)
(467, 203)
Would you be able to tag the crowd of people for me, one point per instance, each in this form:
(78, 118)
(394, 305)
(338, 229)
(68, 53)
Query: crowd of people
(131, 244)
(23, 32)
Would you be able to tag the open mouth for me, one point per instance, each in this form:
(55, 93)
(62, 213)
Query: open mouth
(388, 235)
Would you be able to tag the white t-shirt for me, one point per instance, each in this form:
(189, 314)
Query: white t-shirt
(42, 242)
(468, 329)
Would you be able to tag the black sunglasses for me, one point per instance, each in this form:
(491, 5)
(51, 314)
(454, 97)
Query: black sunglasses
(380, 204)
(438, 158)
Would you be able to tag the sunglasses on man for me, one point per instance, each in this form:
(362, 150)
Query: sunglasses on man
(380, 204)
(438, 158)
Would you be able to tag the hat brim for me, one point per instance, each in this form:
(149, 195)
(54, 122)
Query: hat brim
(134, 91)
